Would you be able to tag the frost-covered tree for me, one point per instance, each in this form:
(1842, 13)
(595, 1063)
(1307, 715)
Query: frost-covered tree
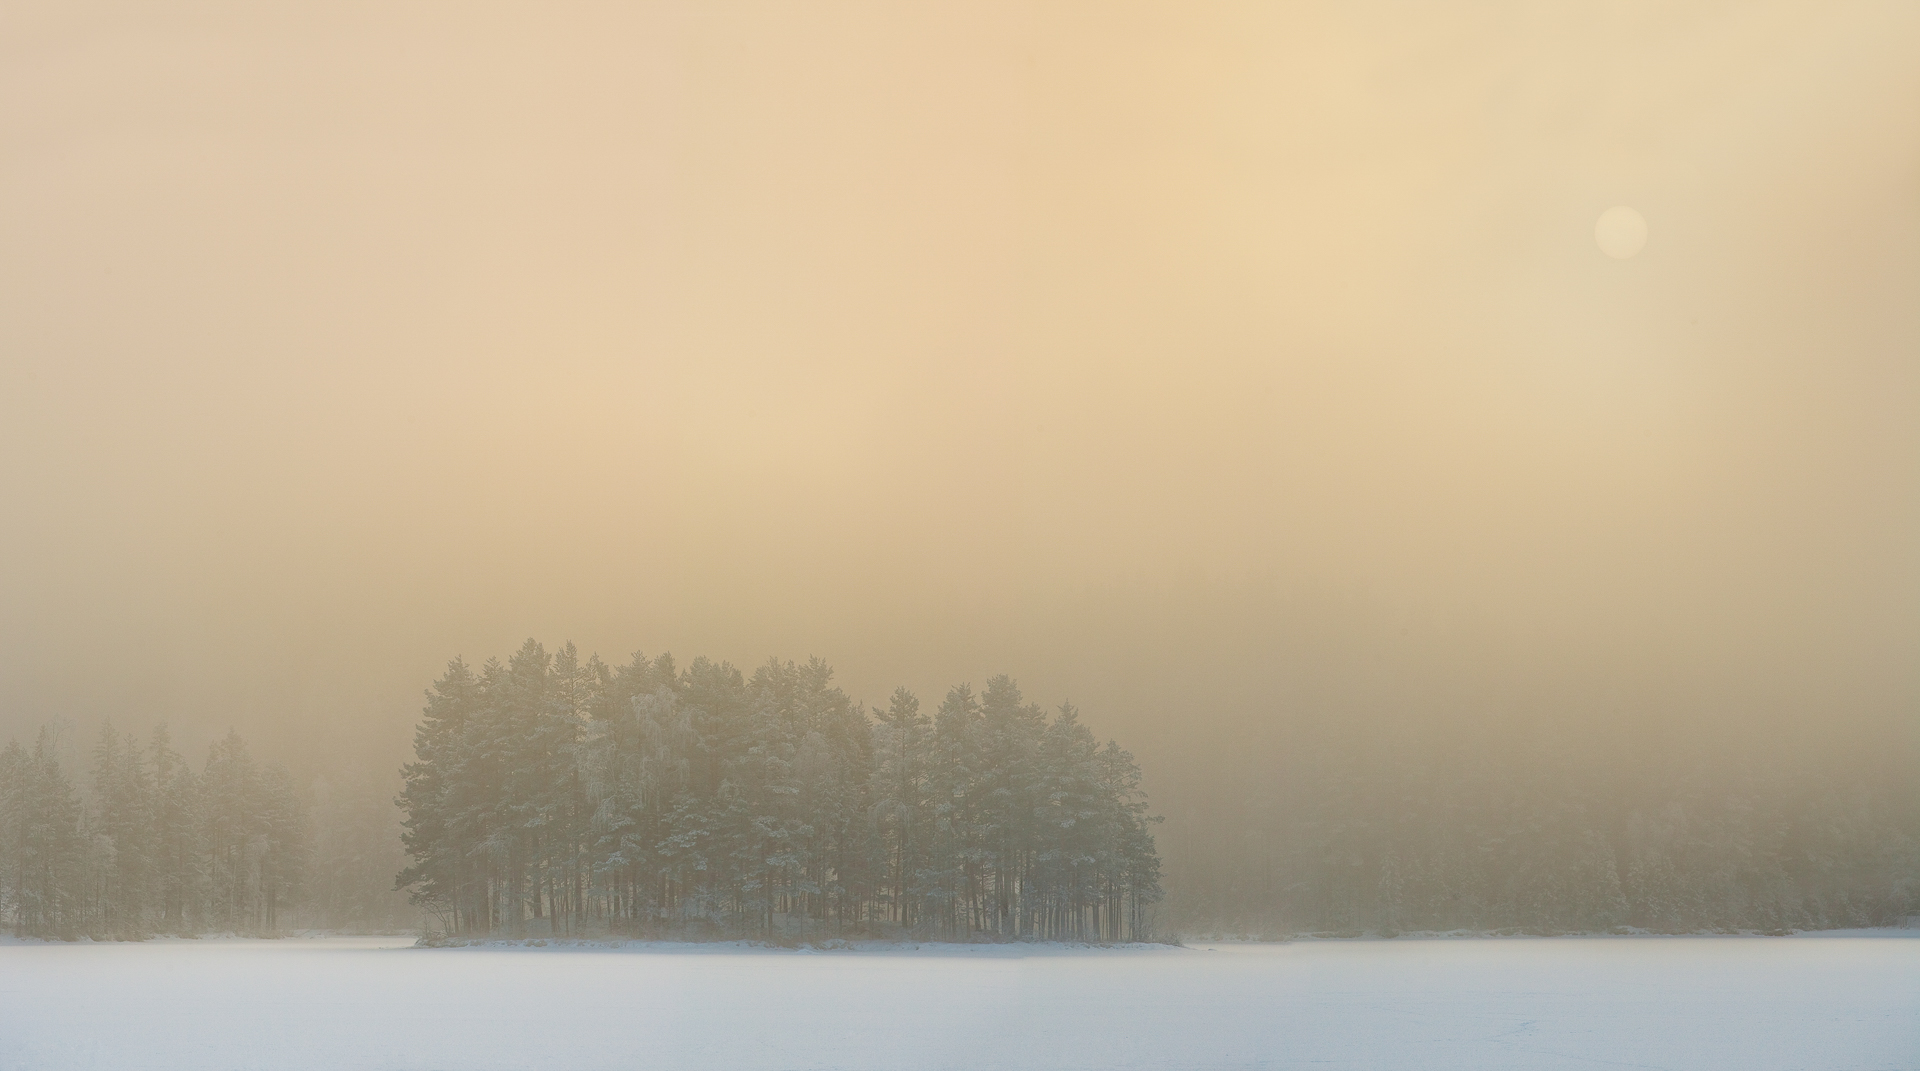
(899, 792)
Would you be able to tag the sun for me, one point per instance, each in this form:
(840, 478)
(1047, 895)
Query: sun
(1620, 232)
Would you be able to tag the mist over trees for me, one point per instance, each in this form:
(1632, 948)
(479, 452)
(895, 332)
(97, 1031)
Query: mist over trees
(157, 849)
(1380, 827)
(142, 845)
(552, 795)
(356, 850)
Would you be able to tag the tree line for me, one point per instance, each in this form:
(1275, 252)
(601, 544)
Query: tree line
(156, 848)
(1385, 828)
(555, 795)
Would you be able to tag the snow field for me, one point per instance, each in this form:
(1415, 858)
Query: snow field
(1753, 1004)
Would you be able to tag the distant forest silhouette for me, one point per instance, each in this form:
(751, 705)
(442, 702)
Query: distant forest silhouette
(1372, 827)
(145, 845)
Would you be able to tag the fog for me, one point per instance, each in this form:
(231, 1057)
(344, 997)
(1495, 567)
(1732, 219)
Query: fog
(1218, 368)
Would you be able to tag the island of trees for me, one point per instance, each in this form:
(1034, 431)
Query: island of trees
(552, 795)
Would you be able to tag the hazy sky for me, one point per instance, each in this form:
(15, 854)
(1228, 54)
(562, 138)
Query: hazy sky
(1191, 361)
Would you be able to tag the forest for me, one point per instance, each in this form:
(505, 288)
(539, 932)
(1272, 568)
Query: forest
(160, 849)
(147, 846)
(552, 795)
(1384, 827)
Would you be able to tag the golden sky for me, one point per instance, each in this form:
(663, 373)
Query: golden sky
(1165, 355)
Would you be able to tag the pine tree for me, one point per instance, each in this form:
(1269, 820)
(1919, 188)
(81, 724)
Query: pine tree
(900, 750)
(15, 773)
(945, 881)
(284, 846)
(123, 833)
(45, 843)
(179, 855)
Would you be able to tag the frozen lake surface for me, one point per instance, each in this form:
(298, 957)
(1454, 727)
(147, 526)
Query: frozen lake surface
(1753, 1004)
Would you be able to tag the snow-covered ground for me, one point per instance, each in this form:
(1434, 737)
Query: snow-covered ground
(1752, 1004)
